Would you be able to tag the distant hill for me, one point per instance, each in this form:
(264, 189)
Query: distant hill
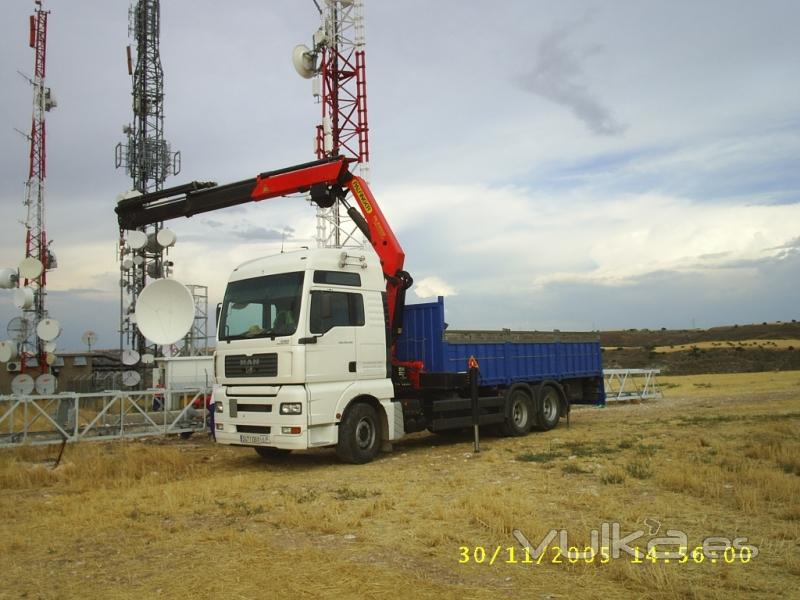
(728, 349)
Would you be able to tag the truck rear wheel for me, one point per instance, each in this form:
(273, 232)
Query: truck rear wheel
(270, 452)
(519, 412)
(548, 407)
(359, 435)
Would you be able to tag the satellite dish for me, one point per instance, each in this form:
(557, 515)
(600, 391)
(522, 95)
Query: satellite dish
(31, 268)
(18, 329)
(89, 338)
(46, 384)
(166, 238)
(138, 260)
(8, 351)
(48, 329)
(148, 359)
(50, 358)
(304, 61)
(165, 311)
(22, 385)
(49, 347)
(130, 357)
(8, 278)
(127, 264)
(131, 378)
(136, 239)
(23, 297)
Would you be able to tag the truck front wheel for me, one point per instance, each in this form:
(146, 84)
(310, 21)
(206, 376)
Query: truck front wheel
(519, 412)
(548, 407)
(359, 435)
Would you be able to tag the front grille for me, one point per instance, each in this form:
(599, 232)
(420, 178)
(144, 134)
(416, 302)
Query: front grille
(256, 365)
(253, 429)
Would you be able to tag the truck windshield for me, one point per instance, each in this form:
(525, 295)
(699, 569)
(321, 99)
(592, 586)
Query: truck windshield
(261, 307)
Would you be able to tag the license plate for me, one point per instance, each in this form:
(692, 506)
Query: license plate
(254, 438)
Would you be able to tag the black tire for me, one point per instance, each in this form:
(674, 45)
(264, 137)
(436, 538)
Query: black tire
(519, 412)
(269, 452)
(548, 407)
(359, 435)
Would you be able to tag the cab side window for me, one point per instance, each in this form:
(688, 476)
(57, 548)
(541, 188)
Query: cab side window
(335, 309)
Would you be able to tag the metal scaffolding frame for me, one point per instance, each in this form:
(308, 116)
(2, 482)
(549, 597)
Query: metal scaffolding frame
(631, 384)
(38, 420)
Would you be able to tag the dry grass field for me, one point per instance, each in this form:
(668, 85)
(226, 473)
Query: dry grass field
(718, 456)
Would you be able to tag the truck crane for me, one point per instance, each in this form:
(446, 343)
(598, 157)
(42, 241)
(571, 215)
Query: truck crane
(318, 348)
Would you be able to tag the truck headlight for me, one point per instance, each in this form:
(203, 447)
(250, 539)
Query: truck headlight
(291, 408)
(218, 407)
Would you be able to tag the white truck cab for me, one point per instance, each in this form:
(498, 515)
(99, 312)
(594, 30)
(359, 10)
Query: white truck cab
(302, 359)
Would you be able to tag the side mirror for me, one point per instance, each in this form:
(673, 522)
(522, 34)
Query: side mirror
(219, 312)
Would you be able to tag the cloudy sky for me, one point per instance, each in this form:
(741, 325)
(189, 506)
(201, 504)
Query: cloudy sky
(572, 164)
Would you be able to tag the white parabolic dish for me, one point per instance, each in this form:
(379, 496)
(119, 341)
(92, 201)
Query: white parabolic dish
(45, 384)
(30, 268)
(23, 297)
(8, 278)
(165, 311)
(136, 239)
(8, 351)
(48, 329)
(22, 384)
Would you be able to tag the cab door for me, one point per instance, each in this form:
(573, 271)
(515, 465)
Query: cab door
(334, 317)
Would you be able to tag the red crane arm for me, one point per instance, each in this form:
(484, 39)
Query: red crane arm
(326, 180)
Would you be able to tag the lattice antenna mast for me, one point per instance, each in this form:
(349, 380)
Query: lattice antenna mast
(337, 63)
(149, 160)
(34, 275)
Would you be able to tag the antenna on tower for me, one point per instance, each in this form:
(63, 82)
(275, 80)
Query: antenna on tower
(336, 62)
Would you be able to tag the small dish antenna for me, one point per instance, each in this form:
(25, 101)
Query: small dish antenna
(22, 385)
(136, 239)
(127, 264)
(89, 338)
(138, 261)
(31, 268)
(304, 61)
(18, 329)
(148, 359)
(131, 378)
(48, 329)
(49, 347)
(166, 238)
(165, 311)
(23, 298)
(8, 278)
(130, 357)
(46, 384)
(8, 351)
(50, 358)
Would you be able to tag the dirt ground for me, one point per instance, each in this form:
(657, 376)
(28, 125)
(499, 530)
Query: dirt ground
(718, 456)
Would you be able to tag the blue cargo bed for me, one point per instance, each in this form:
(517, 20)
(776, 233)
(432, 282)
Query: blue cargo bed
(524, 356)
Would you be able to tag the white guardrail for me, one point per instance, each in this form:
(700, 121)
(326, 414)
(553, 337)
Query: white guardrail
(101, 416)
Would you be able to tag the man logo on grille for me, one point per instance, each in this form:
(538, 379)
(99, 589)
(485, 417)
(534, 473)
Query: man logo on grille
(248, 364)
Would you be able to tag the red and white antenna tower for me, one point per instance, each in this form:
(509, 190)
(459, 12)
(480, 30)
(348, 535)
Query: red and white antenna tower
(32, 291)
(338, 65)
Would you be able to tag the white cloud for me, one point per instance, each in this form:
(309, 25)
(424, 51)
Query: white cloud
(431, 287)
